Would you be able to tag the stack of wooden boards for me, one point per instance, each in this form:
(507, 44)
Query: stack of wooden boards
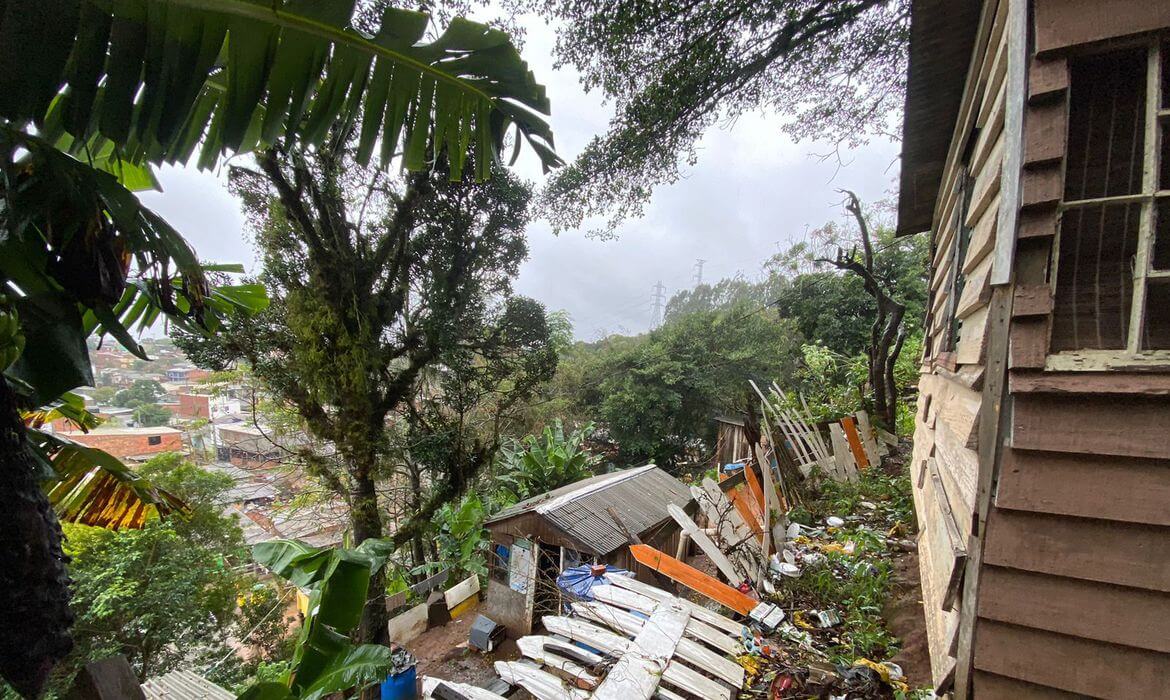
(632, 642)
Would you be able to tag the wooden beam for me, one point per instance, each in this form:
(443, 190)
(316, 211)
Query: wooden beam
(696, 628)
(693, 578)
(542, 684)
(432, 689)
(688, 650)
(676, 674)
(704, 542)
(540, 648)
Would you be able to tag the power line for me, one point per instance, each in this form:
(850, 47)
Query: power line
(659, 299)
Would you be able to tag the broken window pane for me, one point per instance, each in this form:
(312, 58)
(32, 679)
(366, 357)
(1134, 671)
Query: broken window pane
(1156, 335)
(1106, 133)
(1160, 257)
(1094, 280)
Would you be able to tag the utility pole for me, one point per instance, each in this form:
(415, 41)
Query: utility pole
(659, 299)
(699, 271)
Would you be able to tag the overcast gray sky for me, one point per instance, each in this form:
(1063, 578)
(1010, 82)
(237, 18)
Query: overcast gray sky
(753, 188)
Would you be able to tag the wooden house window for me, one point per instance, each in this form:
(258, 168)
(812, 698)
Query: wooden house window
(1112, 259)
(954, 329)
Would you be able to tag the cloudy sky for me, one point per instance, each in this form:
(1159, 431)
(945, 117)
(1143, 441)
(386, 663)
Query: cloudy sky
(752, 190)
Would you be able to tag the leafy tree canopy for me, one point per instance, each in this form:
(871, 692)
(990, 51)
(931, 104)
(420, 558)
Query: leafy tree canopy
(834, 69)
(140, 392)
(392, 295)
(149, 415)
(658, 393)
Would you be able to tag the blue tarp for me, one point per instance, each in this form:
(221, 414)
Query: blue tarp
(579, 581)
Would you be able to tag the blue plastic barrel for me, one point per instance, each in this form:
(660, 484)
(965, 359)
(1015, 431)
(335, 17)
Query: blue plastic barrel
(400, 686)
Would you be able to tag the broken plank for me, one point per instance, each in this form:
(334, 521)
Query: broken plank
(865, 430)
(854, 440)
(696, 628)
(753, 484)
(542, 650)
(687, 649)
(745, 505)
(711, 617)
(431, 689)
(542, 684)
(676, 674)
(737, 540)
(636, 673)
(694, 579)
(704, 542)
(842, 455)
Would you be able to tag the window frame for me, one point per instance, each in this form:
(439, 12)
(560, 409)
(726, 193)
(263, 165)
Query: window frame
(1132, 356)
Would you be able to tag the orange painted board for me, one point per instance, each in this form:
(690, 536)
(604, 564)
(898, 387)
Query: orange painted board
(753, 483)
(744, 507)
(854, 442)
(693, 579)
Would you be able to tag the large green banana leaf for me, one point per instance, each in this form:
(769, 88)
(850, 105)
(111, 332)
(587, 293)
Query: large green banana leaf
(325, 660)
(160, 77)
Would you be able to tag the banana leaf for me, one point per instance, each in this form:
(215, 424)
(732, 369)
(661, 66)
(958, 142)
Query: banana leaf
(163, 79)
(95, 488)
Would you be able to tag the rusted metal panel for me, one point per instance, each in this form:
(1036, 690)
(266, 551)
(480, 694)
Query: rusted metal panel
(576, 516)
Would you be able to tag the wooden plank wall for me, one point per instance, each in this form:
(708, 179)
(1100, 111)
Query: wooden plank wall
(1074, 588)
(946, 426)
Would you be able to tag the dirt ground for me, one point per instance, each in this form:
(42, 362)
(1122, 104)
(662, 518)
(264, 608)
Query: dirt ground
(443, 652)
(903, 614)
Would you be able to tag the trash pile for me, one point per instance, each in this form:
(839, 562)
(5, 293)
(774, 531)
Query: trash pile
(794, 610)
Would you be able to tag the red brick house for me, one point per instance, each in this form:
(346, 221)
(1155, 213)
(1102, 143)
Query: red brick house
(134, 444)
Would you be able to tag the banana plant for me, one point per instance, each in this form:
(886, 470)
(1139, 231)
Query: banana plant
(176, 80)
(325, 661)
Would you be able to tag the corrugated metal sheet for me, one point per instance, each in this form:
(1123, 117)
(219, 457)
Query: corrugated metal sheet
(184, 685)
(579, 509)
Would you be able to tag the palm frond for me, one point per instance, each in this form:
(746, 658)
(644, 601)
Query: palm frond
(163, 79)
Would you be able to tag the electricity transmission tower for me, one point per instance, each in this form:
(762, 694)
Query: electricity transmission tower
(659, 299)
(699, 271)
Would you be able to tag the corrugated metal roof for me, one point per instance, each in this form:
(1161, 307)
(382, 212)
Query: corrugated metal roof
(640, 497)
(184, 685)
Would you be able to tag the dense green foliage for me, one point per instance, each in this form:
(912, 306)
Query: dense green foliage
(834, 69)
(149, 415)
(540, 463)
(166, 595)
(140, 392)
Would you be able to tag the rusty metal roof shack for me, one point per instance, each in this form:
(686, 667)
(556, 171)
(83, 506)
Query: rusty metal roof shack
(575, 515)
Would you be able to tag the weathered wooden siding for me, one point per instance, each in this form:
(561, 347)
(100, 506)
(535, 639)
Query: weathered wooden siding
(1074, 583)
(946, 462)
